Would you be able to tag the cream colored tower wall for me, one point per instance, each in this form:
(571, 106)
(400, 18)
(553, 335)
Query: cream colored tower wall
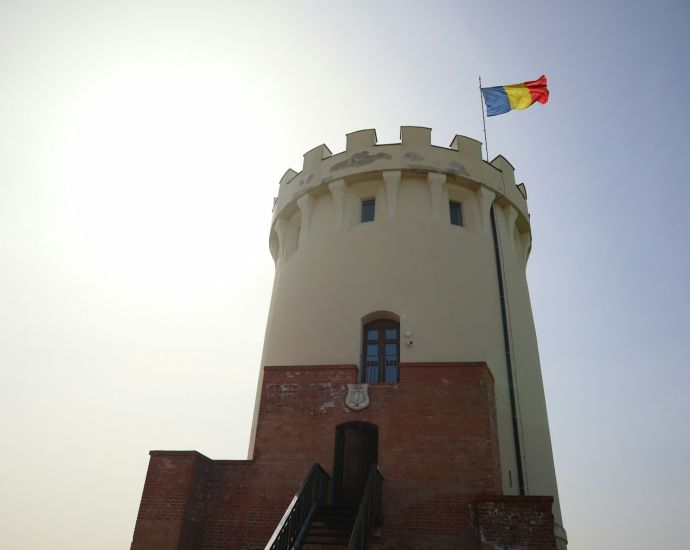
(439, 279)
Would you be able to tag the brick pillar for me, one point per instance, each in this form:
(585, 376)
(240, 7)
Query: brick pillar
(171, 507)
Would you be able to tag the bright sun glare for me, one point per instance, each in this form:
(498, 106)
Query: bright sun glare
(153, 184)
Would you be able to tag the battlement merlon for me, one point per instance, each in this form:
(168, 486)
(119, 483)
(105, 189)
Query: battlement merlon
(462, 163)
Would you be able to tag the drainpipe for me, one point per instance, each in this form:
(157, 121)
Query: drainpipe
(506, 342)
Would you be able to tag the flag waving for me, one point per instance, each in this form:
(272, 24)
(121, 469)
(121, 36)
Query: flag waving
(501, 99)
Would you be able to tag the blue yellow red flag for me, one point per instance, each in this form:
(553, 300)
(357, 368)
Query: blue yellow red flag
(501, 99)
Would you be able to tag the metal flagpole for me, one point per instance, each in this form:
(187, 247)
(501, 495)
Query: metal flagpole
(486, 140)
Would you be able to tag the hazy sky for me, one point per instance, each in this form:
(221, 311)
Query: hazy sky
(141, 145)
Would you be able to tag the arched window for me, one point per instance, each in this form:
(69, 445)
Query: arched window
(381, 351)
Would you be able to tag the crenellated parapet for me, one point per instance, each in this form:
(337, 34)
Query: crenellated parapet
(460, 164)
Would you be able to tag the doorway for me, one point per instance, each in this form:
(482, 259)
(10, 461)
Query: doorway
(356, 450)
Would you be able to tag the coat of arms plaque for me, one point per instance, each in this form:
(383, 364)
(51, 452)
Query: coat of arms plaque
(357, 396)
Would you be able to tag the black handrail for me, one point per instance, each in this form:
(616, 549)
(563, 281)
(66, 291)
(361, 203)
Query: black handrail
(370, 511)
(313, 491)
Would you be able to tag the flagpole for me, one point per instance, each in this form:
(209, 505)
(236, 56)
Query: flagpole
(486, 140)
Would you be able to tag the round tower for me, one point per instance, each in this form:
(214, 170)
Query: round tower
(409, 253)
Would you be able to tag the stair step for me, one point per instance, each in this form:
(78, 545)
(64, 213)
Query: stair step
(334, 522)
(331, 521)
(331, 528)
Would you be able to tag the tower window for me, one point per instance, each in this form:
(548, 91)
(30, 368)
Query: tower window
(381, 351)
(368, 210)
(455, 213)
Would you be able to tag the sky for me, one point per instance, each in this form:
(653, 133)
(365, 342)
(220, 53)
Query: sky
(141, 145)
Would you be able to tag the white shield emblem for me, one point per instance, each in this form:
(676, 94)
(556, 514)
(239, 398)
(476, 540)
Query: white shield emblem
(357, 396)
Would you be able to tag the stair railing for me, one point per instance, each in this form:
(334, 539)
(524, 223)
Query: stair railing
(314, 491)
(370, 511)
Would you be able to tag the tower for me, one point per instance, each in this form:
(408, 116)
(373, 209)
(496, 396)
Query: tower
(400, 334)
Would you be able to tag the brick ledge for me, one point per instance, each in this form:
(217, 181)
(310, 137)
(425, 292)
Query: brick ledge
(514, 498)
(197, 454)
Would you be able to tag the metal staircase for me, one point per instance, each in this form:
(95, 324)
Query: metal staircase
(310, 524)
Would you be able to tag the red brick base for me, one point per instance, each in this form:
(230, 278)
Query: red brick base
(437, 449)
(515, 522)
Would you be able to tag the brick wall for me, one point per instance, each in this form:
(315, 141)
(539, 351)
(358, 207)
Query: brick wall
(515, 522)
(171, 509)
(438, 445)
(437, 449)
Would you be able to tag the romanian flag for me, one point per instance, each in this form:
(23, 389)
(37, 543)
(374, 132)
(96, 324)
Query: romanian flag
(501, 99)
